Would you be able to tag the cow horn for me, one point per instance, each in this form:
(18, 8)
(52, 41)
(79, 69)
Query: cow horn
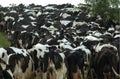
(118, 75)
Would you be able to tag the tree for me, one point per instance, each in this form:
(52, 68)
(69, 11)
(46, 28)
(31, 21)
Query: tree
(107, 9)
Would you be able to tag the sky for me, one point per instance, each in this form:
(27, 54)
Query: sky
(40, 2)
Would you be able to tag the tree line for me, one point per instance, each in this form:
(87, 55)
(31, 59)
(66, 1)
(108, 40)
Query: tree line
(107, 9)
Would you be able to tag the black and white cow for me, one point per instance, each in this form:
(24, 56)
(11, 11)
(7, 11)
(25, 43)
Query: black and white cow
(48, 62)
(17, 60)
(21, 66)
(53, 65)
(23, 39)
(37, 52)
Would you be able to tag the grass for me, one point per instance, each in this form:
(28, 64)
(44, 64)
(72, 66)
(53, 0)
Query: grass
(4, 40)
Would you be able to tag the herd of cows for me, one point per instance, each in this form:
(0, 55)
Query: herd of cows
(58, 42)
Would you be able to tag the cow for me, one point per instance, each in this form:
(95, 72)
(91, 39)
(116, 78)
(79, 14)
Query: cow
(23, 39)
(74, 60)
(17, 60)
(53, 65)
(105, 62)
(37, 52)
(9, 19)
(21, 65)
(2, 22)
(48, 63)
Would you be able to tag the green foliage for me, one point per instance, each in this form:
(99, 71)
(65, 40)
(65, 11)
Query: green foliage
(107, 9)
(3, 40)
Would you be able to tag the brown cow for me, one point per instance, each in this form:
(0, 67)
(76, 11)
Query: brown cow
(106, 60)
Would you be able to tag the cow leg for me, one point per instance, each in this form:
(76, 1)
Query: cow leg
(77, 75)
(51, 76)
(82, 72)
(91, 74)
(107, 75)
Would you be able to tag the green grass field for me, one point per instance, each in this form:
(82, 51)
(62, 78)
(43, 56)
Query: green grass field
(4, 40)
